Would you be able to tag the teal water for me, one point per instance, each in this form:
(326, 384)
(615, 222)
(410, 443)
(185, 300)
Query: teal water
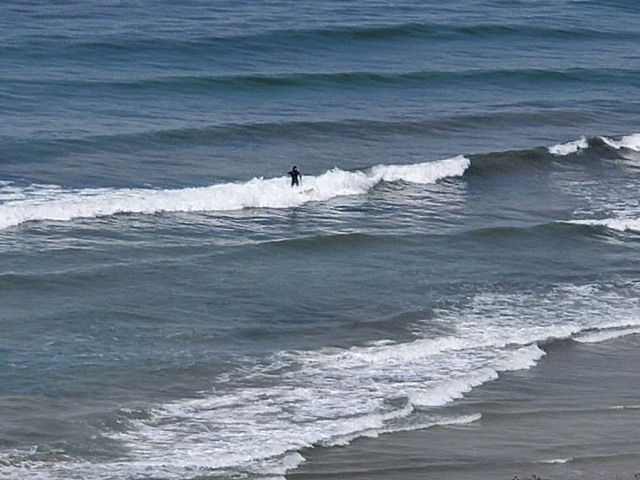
(172, 309)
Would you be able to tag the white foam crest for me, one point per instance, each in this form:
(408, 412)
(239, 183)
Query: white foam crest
(631, 142)
(625, 407)
(424, 173)
(42, 202)
(54, 203)
(393, 354)
(629, 325)
(619, 224)
(452, 389)
(431, 421)
(278, 467)
(597, 337)
(568, 148)
(554, 461)
(441, 422)
(444, 392)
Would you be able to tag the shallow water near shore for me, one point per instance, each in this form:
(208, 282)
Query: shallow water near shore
(574, 416)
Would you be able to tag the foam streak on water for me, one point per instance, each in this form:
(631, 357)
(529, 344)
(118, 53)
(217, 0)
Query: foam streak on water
(257, 418)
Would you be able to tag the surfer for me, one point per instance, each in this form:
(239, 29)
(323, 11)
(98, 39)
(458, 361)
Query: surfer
(295, 176)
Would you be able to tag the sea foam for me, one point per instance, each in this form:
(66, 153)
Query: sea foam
(619, 224)
(46, 202)
(631, 142)
(568, 148)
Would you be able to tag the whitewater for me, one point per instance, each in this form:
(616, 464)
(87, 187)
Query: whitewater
(51, 202)
(452, 291)
(260, 418)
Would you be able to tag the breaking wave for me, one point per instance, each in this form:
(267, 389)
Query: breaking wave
(46, 202)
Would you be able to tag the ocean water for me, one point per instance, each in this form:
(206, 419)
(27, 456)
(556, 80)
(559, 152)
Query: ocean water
(172, 309)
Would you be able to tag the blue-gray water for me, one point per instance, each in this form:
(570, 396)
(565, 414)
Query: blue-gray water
(172, 309)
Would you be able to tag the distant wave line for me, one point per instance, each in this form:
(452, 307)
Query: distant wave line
(319, 36)
(544, 157)
(297, 129)
(244, 82)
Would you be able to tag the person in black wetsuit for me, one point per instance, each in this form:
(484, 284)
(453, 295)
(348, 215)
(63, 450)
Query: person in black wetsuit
(295, 176)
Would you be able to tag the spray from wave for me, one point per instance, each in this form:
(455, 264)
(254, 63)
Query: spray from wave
(46, 202)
